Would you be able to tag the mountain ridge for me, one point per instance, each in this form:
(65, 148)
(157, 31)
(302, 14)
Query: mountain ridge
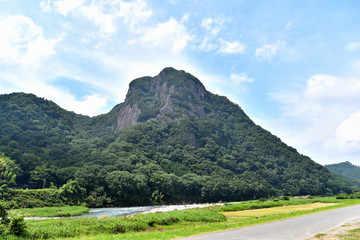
(170, 137)
(346, 170)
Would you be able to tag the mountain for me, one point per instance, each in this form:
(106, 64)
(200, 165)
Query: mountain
(347, 171)
(169, 96)
(170, 141)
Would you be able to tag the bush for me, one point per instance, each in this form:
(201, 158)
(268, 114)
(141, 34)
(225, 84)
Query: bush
(342, 196)
(3, 230)
(3, 215)
(357, 195)
(275, 200)
(17, 226)
(285, 198)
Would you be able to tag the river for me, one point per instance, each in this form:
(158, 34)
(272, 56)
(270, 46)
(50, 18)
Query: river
(117, 211)
(123, 211)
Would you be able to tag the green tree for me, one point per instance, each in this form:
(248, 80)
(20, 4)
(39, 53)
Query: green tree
(127, 188)
(72, 192)
(8, 170)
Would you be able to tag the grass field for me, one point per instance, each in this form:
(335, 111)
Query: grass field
(170, 225)
(66, 211)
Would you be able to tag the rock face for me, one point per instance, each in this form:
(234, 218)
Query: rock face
(166, 97)
(127, 116)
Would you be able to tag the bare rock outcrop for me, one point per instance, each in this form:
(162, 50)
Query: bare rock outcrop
(171, 90)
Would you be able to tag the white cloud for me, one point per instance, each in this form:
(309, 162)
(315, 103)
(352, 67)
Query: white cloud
(213, 25)
(266, 52)
(347, 135)
(45, 5)
(104, 21)
(352, 47)
(65, 7)
(207, 45)
(319, 114)
(289, 26)
(23, 42)
(133, 11)
(170, 35)
(327, 87)
(91, 105)
(240, 78)
(105, 13)
(231, 47)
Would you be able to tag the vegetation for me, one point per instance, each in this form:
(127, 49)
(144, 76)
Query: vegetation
(73, 227)
(348, 196)
(14, 226)
(347, 171)
(66, 211)
(351, 235)
(169, 225)
(249, 205)
(203, 148)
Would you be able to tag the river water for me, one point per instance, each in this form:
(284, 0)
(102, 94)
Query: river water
(117, 211)
(123, 211)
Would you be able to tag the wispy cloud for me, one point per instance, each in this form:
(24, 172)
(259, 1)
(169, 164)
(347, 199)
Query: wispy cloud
(266, 52)
(231, 47)
(240, 78)
(214, 24)
(65, 7)
(171, 35)
(352, 47)
(103, 13)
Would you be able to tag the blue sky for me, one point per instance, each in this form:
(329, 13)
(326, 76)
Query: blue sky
(293, 66)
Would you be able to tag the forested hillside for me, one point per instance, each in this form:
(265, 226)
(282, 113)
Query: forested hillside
(347, 171)
(170, 141)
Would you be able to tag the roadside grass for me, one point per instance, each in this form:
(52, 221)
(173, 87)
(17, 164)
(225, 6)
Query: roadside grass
(248, 205)
(352, 234)
(66, 211)
(349, 231)
(170, 225)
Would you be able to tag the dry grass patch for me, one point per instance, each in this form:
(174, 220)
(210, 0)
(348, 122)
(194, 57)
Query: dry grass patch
(276, 210)
(345, 232)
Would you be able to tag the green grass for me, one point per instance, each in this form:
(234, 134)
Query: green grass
(320, 235)
(87, 227)
(66, 211)
(168, 225)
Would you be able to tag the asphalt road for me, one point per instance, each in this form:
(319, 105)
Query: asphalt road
(298, 228)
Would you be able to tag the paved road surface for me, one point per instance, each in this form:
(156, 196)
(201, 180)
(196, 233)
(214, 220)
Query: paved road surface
(298, 228)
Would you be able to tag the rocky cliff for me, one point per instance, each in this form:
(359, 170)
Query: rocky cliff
(168, 96)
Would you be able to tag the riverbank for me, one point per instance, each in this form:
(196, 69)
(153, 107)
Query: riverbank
(175, 224)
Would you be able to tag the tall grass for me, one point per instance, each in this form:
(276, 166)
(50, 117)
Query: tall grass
(66, 211)
(73, 227)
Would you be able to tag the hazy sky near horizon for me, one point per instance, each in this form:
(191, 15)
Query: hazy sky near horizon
(293, 66)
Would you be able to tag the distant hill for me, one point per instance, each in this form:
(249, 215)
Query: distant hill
(346, 170)
(170, 141)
